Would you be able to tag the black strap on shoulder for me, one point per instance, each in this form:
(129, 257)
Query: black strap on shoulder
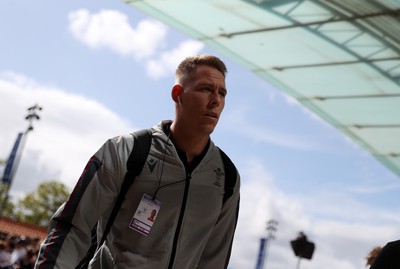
(135, 163)
(138, 156)
(230, 175)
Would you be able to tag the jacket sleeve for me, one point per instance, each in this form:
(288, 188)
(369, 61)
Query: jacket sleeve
(69, 231)
(217, 251)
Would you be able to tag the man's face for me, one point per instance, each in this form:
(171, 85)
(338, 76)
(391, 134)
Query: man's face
(202, 99)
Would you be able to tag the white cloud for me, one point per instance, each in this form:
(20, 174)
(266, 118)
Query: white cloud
(391, 186)
(169, 60)
(111, 29)
(340, 242)
(70, 130)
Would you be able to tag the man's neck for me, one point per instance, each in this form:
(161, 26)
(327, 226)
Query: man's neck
(188, 141)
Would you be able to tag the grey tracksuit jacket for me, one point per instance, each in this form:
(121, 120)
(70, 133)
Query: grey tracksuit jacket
(193, 228)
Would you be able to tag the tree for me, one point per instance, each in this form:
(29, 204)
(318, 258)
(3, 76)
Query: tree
(6, 206)
(38, 206)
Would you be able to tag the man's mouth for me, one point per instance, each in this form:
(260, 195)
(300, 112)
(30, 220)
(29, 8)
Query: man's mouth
(212, 115)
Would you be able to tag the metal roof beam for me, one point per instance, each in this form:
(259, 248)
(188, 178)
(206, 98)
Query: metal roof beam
(323, 98)
(282, 68)
(333, 19)
(362, 126)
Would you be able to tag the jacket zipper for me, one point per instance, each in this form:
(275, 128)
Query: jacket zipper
(178, 227)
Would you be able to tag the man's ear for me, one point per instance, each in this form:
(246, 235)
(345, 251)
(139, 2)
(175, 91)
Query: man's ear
(176, 93)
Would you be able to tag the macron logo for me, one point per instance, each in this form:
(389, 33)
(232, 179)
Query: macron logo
(151, 163)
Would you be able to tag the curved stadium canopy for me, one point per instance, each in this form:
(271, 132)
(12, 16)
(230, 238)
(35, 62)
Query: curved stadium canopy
(339, 58)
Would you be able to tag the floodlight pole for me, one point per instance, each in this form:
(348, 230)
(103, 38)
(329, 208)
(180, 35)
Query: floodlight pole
(271, 229)
(264, 244)
(15, 155)
(298, 263)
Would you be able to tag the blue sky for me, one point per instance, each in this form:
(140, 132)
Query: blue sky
(100, 69)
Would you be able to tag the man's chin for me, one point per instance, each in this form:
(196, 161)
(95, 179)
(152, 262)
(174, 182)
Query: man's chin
(208, 129)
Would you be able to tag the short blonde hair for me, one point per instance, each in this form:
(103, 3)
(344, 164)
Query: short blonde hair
(190, 64)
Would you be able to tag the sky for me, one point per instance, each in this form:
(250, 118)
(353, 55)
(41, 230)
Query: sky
(102, 68)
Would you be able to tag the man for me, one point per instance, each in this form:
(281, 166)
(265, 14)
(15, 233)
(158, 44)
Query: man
(388, 257)
(372, 255)
(181, 181)
(19, 251)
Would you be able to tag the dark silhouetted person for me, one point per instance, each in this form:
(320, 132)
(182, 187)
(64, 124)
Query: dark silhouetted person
(389, 257)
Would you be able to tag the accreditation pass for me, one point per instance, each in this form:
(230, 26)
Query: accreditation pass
(145, 215)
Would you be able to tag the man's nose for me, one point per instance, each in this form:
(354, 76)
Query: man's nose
(216, 98)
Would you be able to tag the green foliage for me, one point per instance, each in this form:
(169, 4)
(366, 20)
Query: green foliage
(38, 206)
(6, 206)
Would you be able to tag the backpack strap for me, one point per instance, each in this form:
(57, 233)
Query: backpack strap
(139, 153)
(230, 176)
(134, 165)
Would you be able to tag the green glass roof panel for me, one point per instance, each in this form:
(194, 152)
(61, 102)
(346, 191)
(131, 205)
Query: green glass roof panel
(362, 111)
(381, 139)
(324, 82)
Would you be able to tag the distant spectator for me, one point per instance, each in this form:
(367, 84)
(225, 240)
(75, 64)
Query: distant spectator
(29, 260)
(19, 251)
(389, 257)
(372, 255)
(5, 256)
(35, 243)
